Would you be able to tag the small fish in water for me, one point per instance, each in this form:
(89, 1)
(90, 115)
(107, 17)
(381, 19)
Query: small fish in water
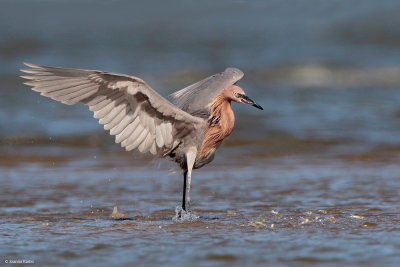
(305, 221)
(117, 214)
(357, 217)
(253, 224)
(332, 219)
(261, 223)
(323, 211)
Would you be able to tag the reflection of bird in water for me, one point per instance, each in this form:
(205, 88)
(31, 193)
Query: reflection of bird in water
(140, 118)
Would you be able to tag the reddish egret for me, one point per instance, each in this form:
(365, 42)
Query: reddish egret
(139, 117)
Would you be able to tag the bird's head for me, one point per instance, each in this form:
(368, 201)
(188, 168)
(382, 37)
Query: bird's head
(237, 94)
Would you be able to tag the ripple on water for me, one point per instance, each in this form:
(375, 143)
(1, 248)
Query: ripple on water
(303, 209)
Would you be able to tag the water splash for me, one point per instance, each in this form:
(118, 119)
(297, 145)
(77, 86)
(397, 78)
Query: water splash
(182, 215)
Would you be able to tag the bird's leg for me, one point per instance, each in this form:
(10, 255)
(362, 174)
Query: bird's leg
(184, 190)
(190, 159)
(188, 181)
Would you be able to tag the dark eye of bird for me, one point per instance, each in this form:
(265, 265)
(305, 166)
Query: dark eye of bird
(236, 94)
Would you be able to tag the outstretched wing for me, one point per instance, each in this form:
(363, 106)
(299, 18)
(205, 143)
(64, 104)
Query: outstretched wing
(136, 114)
(195, 98)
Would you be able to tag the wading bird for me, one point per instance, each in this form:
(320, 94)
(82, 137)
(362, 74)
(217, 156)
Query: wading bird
(139, 117)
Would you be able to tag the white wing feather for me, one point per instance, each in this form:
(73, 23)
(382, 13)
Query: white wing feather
(136, 114)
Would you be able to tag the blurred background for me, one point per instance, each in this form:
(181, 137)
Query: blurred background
(321, 69)
(326, 72)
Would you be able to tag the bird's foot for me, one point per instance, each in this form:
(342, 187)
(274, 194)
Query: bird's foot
(182, 215)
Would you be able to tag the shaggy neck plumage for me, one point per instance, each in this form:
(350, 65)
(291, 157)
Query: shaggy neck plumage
(220, 124)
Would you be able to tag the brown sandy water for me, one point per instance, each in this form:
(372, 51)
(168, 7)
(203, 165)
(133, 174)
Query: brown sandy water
(301, 208)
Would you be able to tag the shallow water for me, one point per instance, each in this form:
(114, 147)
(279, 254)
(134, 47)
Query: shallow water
(311, 180)
(297, 209)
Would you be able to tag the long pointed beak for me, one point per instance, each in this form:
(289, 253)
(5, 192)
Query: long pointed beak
(246, 100)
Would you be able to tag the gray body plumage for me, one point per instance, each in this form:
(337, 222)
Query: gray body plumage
(195, 98)
(133, 112)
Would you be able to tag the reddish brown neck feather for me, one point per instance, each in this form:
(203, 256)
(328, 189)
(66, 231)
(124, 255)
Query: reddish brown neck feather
(216, 132)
